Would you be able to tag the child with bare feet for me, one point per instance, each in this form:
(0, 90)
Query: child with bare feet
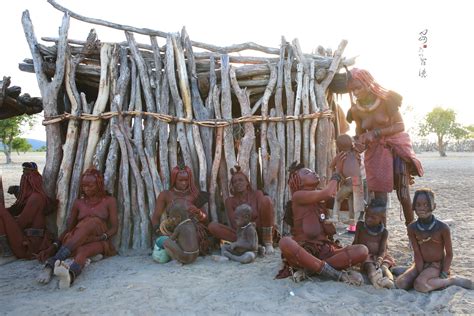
(373, 234)
(244, 249)
(183, 244)
(351, 186)
(430, 239)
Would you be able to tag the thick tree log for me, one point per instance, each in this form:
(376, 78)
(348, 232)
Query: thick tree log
(126, 238)
(192, 131)
(324, 132)
(117, 104)
(49, 91)
(217, 156)
(201, 112)
(69, 147)
(74, 190)
(138, 142)
(263, 125)
(178, 103)
(165, 131)
(280, 195)
(226, 110)
(246, 143)
(314, 122)
(270, 174)
(100, 104)
(299, 82)
(290, 103)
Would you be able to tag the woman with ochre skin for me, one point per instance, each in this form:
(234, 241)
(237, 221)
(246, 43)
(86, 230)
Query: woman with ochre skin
(390, 161)
(93, 221)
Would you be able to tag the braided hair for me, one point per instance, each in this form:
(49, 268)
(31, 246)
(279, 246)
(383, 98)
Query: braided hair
(99, 180)
(294, 180)
(30, 183)
(234, 172)
(368, 81)
(182, 168)
(430, 196)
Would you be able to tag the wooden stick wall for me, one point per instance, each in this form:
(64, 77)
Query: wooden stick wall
(131, 110)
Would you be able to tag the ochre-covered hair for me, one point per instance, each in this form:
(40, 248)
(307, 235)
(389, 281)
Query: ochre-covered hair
(294, 180)
(429, 195)
(99, 179)
(174, 175)
(235, 171)
(30, 182)
(368, 81)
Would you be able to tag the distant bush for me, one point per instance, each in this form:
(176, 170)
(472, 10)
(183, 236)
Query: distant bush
(465, 145)
(41, 149)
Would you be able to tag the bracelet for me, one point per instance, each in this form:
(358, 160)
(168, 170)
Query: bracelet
(105, 236)
(443, 275)
(377, 132)
(336, 176)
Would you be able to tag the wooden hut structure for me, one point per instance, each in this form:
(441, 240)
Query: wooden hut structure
(133, 110)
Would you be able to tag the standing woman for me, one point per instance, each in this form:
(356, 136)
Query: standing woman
(93, 221)
(390, 161)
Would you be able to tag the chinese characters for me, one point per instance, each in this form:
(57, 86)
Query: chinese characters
(423, 39)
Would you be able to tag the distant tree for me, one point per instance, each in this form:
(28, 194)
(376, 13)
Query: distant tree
(10, 130)
(21, 144)
(41, 149)
(442, 123)
(470, 130)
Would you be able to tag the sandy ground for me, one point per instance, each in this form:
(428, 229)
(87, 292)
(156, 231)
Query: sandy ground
(136, 285)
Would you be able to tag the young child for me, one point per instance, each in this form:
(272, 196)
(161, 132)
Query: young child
(373, 234)
(245, 248)
(352, 187)
(431, 242)
(183, 244)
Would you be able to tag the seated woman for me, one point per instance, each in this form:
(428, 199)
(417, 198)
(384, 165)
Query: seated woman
(389, 157)
(263, 213)
(311, 248)
(25, 235)
(93, 221)
(184, 190)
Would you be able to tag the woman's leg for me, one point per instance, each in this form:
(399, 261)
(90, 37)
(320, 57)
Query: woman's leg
(348, 256)
(223, 232)
(13, 233)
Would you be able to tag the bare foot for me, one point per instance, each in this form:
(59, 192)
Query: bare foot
(45, 275)
(463, 282)
(352, 277)
(269, 249)
(299, 275)
(61, 270)
(386, 283)
(97, 257)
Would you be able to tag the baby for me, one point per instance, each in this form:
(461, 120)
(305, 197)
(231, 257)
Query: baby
(243, 250)
(431, 242)
(352, 186)
(373, 234)
(183, 243)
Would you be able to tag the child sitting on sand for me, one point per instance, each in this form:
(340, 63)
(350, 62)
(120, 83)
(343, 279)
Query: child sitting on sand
(373, 234)
(245, 248)
(182, 245)
(430, 239)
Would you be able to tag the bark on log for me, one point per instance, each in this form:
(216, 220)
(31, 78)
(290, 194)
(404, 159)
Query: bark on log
(217, 157)
(226, 106)
(69, 147)
(117, 105)
(100, 104)
(49, 91)
(271, 173)
(299, 82)
(263, 126)
(74, 189)
(246, 143)
(178, 103)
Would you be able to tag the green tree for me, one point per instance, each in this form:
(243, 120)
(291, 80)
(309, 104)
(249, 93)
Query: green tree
(470, 130)
(21, 144)
(10, 130)
(442, 123)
